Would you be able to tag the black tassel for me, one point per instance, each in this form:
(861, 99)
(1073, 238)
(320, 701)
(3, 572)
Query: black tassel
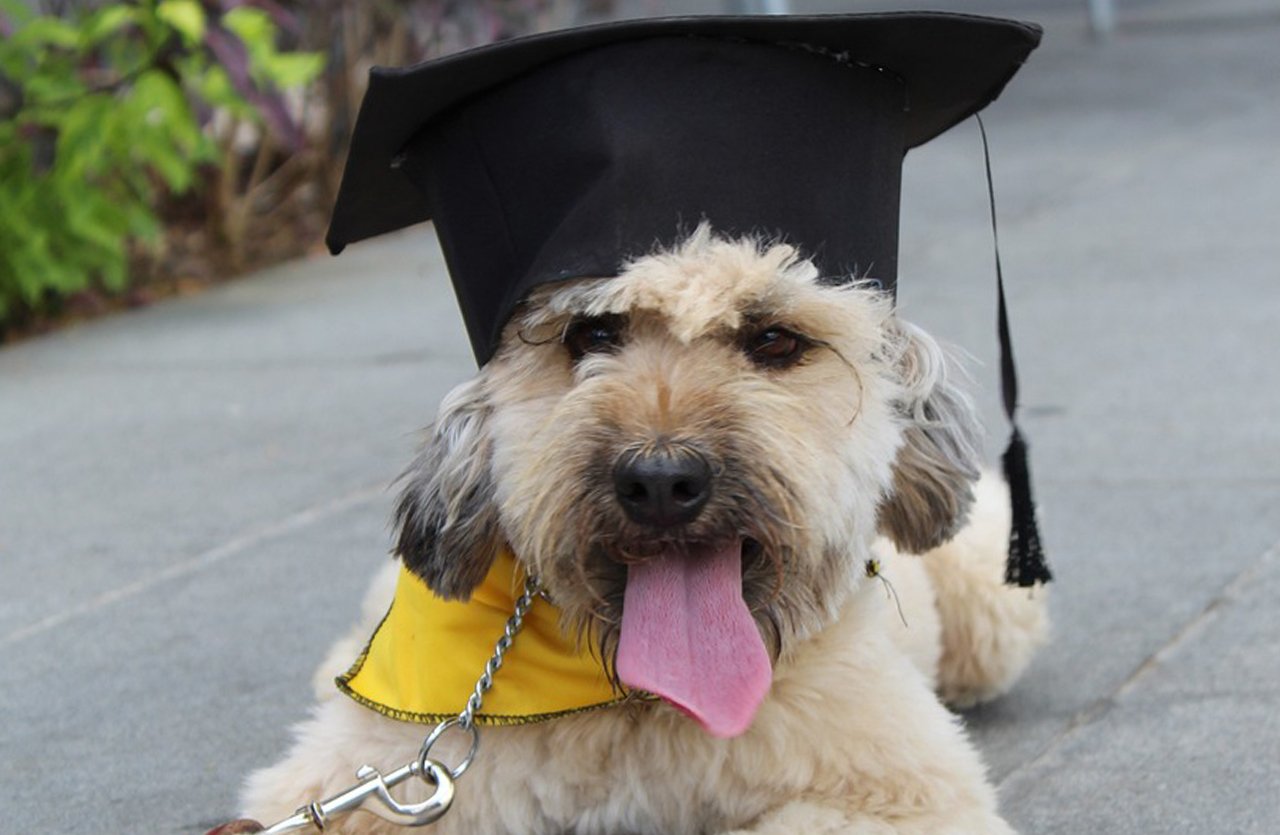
(1026, 565)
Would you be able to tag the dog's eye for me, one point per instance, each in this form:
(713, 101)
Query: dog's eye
(592, 335)
(775, 347)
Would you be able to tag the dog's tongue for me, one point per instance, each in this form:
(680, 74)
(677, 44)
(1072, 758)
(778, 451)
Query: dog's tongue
(687, 637)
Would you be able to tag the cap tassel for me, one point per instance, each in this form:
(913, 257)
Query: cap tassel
(1026, 565)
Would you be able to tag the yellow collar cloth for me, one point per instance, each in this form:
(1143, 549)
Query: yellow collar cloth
(423, 660)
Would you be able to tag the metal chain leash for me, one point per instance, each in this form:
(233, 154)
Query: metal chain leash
(466, 719)
(315, 817)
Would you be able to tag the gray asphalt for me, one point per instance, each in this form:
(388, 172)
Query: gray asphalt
(192, 496)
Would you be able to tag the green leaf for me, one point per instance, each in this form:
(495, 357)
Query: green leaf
(50, 88)
(82, 150)
(253, 26)
(90, 221)
(107, 21)
(166, 136)
(48, 31)
(172, 168)
(186, 16)
(215, 87)
(293, 69)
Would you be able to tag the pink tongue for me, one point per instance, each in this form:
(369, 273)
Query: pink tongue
(687, 637)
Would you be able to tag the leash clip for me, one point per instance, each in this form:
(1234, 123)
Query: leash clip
(314, 817)
(374, 786)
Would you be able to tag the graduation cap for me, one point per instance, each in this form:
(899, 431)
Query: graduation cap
(564, 155)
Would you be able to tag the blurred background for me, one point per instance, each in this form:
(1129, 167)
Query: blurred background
(201, 413)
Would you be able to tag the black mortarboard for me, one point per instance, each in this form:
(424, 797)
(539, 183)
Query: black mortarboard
(564, 155)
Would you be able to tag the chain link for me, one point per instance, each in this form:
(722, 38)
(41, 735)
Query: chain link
(465, 720)
(514, 623)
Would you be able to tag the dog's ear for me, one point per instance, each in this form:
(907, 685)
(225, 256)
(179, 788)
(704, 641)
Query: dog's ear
(446, 520)
(937, 464)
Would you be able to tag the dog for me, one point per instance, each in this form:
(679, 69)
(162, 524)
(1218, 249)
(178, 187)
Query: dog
(715, 397)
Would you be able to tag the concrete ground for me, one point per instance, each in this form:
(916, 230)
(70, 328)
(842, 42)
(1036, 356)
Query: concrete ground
(192, 496)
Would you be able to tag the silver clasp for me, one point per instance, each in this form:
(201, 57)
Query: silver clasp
(375, 786)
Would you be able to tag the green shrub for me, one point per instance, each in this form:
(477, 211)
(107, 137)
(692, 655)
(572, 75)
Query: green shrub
(103, 112)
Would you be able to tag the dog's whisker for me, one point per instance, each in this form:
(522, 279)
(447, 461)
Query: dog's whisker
(857, 376)
(520, 334)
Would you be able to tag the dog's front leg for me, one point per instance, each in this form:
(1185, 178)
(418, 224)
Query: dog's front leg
(814, 817)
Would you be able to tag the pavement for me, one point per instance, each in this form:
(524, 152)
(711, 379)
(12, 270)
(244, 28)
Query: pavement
(192, 496)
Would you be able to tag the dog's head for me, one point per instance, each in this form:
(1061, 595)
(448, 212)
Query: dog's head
(716, 404)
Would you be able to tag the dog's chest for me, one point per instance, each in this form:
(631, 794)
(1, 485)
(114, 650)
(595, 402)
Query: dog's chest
(606, 773)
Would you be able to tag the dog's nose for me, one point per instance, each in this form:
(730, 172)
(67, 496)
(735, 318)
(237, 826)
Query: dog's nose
(662, 488)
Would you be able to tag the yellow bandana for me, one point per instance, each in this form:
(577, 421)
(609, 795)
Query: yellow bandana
(423, 661)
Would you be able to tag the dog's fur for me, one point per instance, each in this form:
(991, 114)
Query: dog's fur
(862, 447)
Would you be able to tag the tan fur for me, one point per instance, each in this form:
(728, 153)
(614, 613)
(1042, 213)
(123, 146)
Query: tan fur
(811, 461)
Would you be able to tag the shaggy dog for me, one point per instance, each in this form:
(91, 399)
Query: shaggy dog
(816, 438)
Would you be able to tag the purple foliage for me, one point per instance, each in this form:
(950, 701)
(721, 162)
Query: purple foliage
(234, 58)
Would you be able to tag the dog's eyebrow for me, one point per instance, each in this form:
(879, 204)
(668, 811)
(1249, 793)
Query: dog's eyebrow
(756, 314)
(579, 298)
(780, 310)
